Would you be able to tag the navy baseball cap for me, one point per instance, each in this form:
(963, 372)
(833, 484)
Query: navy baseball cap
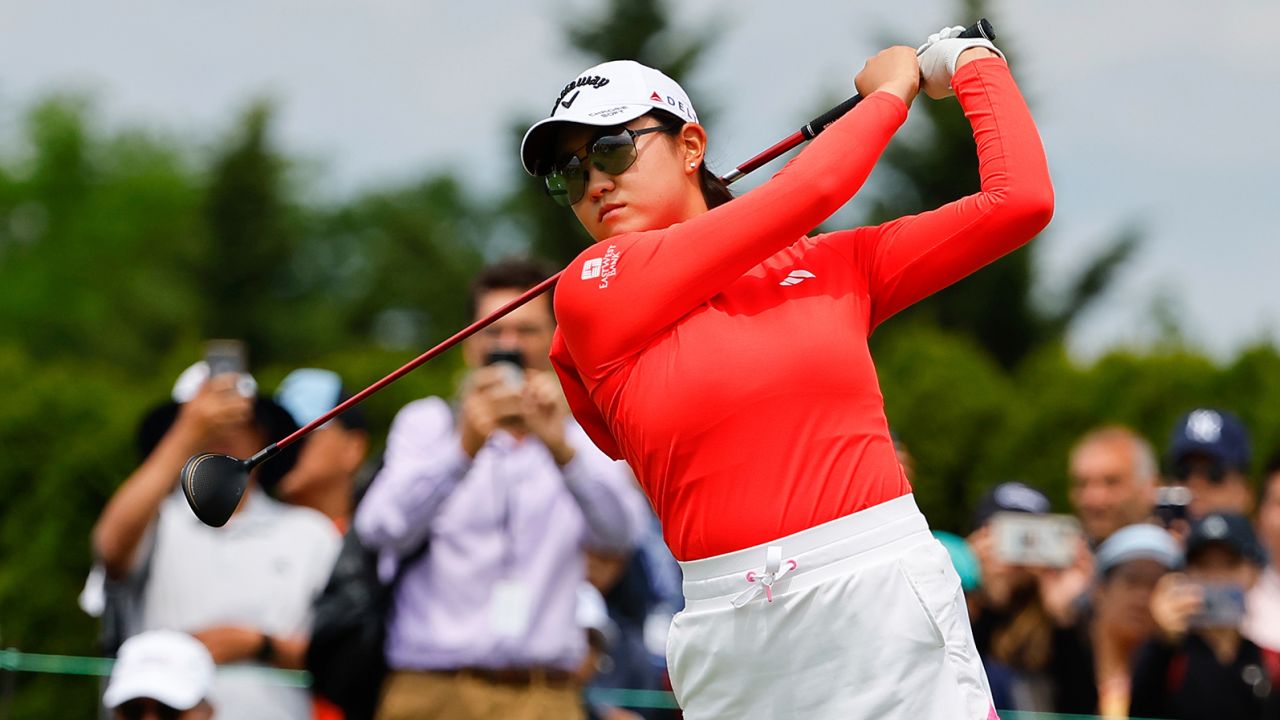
(1010, 497)
(1229, 529)
(1218, 434)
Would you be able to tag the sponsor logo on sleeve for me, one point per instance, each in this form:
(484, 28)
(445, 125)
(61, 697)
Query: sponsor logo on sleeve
(609, 266)
(591, 269)
(795, 277)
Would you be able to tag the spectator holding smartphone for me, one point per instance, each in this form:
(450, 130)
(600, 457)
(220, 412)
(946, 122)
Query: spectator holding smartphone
(1023, 601)
(1199, 666)
(1262, 604)
(505, 492)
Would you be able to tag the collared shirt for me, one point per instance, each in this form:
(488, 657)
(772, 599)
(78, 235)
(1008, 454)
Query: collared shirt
(498, 585)
(262, 569)
(1262, 610)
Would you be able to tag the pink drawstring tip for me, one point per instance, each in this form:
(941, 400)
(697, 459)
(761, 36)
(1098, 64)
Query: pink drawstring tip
(768, 592)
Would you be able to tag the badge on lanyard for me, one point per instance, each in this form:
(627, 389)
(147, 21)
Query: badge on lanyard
(510, 608)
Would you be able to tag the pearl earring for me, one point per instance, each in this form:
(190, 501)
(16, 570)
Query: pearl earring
(693, 165)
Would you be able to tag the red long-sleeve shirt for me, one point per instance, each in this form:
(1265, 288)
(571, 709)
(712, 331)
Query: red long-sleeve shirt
(725, 357)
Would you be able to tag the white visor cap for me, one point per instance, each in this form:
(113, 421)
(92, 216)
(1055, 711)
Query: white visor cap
(610, 93)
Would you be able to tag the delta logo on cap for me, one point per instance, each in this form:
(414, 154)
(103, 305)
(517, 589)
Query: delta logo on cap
(610, 93)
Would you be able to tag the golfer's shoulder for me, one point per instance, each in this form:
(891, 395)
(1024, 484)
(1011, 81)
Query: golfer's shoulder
(584, 288)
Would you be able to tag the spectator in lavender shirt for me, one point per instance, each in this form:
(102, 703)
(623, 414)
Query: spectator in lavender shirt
(508, 492)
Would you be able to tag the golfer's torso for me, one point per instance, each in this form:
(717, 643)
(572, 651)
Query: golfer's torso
(759, 414)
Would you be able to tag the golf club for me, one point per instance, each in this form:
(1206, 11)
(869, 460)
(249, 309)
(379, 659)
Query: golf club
(214, 483)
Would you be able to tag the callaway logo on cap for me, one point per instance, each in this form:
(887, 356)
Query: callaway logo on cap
(608, 94)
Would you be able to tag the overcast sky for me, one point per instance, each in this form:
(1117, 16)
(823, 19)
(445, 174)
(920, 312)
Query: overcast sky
(1152, 113)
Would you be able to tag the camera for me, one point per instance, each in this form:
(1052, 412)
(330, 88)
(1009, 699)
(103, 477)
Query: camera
(1171, 504)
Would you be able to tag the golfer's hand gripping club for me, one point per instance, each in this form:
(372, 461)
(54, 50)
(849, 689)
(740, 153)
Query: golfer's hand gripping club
(810, 130)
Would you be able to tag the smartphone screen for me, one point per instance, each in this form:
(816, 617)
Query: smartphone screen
(225, 356)
(1037, 540)
(1223, 606)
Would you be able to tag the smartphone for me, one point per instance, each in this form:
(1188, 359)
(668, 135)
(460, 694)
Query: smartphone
(505, 356)
(1171, 503)
(1223, 606)
(512, 364)
(1037, 540)
(225, 356)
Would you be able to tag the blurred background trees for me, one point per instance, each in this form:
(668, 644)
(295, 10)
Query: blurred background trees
(122, 250)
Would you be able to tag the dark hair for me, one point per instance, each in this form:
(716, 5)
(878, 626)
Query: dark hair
(715, 191)
(515, 273)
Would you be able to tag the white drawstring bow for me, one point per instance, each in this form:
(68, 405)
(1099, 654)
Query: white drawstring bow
(762, 582)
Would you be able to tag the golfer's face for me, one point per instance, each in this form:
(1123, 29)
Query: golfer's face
(527, 330)
(651, 193)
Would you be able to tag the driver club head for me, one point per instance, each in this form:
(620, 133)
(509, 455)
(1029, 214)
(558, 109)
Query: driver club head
(213, 484)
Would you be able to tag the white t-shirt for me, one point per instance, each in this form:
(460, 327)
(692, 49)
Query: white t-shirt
(1262, 610)
(262, 569)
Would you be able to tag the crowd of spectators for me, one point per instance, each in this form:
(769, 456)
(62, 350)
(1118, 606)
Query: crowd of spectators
(1157, 597)
(522, 567)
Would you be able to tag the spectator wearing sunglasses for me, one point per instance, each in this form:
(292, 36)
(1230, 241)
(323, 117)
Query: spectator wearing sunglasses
(161, 675)
(722, 351)
(1209, 453)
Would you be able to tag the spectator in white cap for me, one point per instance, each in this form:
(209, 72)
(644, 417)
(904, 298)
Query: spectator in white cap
(161, 674)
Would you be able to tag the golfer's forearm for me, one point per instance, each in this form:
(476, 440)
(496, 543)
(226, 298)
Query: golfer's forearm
(125, 519)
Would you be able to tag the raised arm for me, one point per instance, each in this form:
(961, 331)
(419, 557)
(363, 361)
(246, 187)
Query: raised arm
(910, 258)
(647, 281)
(134, 506)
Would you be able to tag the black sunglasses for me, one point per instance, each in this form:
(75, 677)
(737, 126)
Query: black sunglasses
(1184, 468)
(145, 708)
(612, 152)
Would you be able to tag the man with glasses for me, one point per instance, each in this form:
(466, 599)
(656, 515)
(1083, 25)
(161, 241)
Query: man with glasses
(161, 675)
(1209, 453)
(506, 492)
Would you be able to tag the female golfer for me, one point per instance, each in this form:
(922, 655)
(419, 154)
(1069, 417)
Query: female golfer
(723, 354)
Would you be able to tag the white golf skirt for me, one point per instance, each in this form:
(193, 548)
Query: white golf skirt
(861, 617)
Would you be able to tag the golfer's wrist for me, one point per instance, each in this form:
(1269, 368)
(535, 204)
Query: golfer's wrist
(973, 53)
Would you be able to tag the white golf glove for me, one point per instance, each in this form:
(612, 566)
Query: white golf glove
(938, 59)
